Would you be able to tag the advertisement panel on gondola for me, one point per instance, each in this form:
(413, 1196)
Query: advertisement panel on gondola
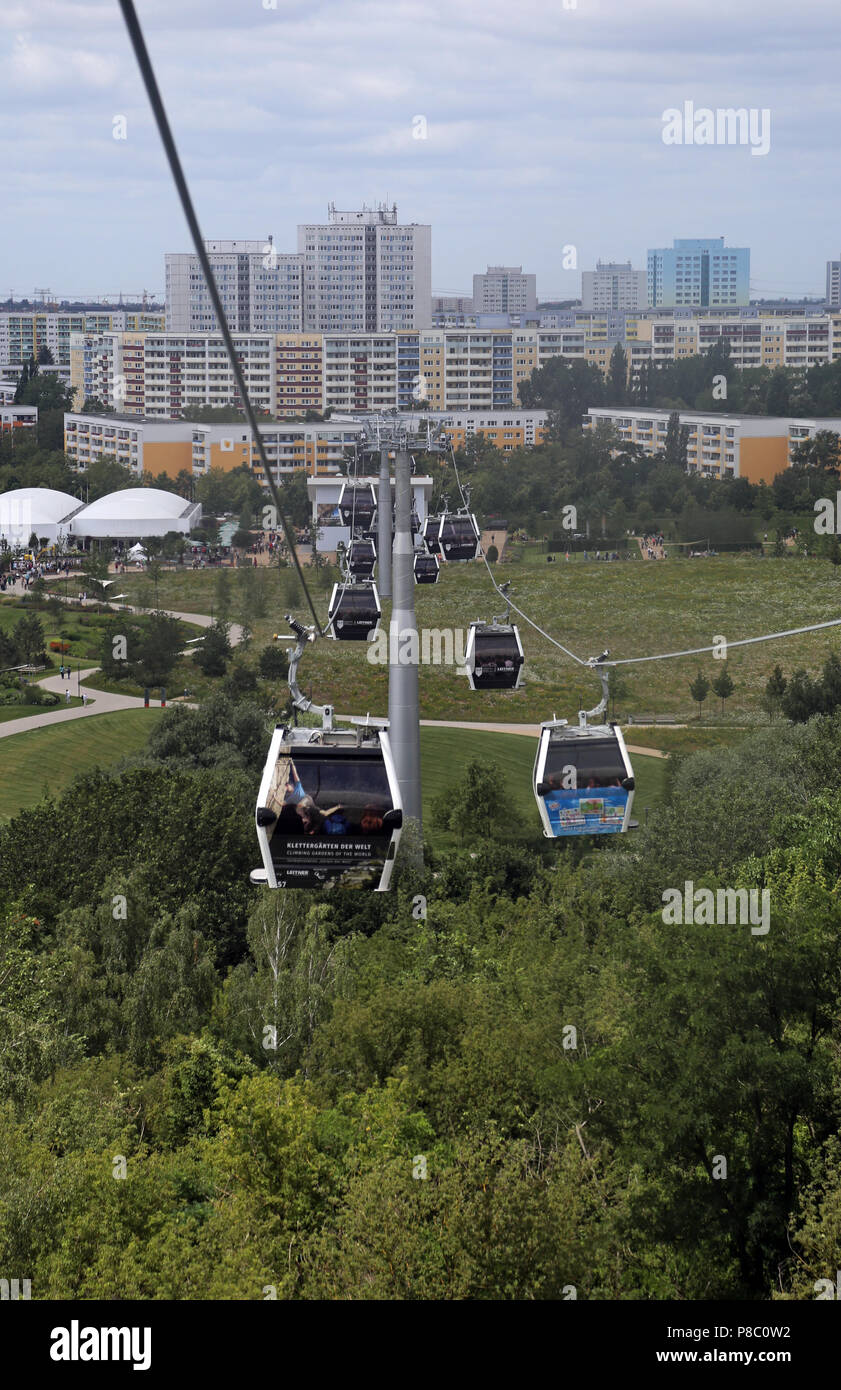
(329, 816)
(589, 811)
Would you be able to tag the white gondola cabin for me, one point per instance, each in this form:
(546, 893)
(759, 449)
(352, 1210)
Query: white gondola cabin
(328, 810)
(583, 779)
(362, 558)
(458, 537)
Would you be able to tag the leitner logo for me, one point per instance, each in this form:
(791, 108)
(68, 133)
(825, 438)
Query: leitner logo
(75, 1343)
(726, 907)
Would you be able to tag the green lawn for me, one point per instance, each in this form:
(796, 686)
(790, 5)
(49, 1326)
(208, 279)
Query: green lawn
(8, 712)
(634, 609)
(48, 759)
(688, 740)
(196, 591)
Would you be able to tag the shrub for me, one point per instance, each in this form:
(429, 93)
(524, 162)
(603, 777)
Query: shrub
(273, 664)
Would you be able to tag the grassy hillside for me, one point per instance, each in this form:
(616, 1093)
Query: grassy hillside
(635, 608)
(48, 759)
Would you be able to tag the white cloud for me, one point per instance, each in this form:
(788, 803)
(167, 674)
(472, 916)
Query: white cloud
(540, 117)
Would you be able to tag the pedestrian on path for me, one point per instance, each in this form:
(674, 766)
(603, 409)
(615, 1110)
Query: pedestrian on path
(67, 696)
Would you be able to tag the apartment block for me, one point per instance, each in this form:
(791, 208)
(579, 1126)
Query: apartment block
(366, 272)
(767, 341)
(261, 289)
(360, 371)
(17, 419)
(170, 446)
(159, 375)
(614, 285)
(299, 382)
(504, 289)
(719, 446)
(451, 304)
(22, 335)
(320, 449)
(444, 369)
(833, 284)
(507, 430)
(698, 272)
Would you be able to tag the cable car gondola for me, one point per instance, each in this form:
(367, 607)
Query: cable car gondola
(458, 536)
(494, 656)
(427, 568)
(354, 611)
(357, 504)
(328, 809)
(362, 558)
(583, 779)
(432, 534)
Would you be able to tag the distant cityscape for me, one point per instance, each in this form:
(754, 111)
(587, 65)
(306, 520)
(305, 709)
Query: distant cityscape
(347, 324)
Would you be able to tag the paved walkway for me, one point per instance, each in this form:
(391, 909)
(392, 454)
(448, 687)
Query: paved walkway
(530, 730)
(99, 701)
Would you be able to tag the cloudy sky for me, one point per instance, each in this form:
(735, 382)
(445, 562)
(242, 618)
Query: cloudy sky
(544, 125)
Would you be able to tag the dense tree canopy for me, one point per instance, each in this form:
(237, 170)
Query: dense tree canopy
(537, 1084)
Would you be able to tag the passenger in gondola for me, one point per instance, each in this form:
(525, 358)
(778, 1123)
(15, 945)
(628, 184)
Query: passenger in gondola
(317, 822)
(294, 787)
(336, 822)
(372, 820)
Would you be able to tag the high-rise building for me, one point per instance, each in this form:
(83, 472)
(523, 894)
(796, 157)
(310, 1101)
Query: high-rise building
(366, 272)
(833, 284)
(614, 285)
(261, 289)
(699, 272)
(504, 289)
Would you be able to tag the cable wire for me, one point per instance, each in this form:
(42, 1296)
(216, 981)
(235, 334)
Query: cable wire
(638, 660)
(505, 597)
(147, 72)
(742, 642)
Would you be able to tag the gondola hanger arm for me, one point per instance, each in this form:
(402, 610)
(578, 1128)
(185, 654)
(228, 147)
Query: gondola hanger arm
(303, 702)
(597, 665)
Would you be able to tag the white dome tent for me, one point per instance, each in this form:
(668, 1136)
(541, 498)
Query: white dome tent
(135, 512)
(40, 510)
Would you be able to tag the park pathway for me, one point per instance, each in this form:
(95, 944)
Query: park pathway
(99, 701)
